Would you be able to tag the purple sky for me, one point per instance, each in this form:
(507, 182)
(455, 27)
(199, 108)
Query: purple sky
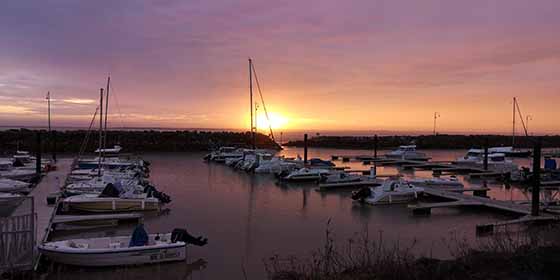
(324, 64)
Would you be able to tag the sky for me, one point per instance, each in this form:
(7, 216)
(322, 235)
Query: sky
(328, 65)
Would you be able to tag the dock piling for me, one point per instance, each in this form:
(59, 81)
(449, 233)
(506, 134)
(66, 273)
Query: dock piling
(535, 203)
(486, 154)
(38, 154)
(305, 148)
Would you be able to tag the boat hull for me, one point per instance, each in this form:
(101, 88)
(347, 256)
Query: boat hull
(140, 256)
(393, 199)
(113, 205)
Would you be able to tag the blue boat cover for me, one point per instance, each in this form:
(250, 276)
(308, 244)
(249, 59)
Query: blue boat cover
(139, 237)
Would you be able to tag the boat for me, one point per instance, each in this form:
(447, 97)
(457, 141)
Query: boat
(278, 165)
(390, 192)
(407, 152)
(114, 198)
(20, 174)
(442, 183)
(510, 151)
(307, 174)
(317, 162)
(497, 162)
(341, 177)
(138, 248)
(224, 153)
(114, 251)
(13, 186)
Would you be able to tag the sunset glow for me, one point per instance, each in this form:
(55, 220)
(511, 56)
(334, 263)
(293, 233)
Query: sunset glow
(373, 65)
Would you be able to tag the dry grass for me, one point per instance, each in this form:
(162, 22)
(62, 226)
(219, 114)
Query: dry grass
(507, 255)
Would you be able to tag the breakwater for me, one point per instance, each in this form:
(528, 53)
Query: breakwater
(71, 141)
(441, 141)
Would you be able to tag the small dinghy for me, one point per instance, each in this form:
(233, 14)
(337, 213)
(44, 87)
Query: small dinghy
(139, 248)
(391, 192)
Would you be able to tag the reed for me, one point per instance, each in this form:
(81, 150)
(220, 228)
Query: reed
(508, 255)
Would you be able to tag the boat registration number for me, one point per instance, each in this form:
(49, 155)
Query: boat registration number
(164, 255)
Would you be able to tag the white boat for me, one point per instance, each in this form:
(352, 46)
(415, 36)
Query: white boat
(112, 251)
(22, 174)
(307, 174)
(109, 152)
(390, 192)
(497, 162)
(224, 153)
(278, 165)
(97, 185)
(12, 186)
(442, 183)
(99, 204)
(407, 152)
(341, 177)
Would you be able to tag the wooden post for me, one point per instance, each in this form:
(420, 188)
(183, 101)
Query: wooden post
(305, 148)
(486, 154)
(375, 142)
(38, 154)
(536, 178)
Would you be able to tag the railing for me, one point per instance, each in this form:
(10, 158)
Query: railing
(17, 242)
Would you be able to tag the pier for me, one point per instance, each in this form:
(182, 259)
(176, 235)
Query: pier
(460, 199)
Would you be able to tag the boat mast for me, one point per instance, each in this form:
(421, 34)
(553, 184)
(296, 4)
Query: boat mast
(106, 113)
(251, 101)
(513, 129)
(100, 132)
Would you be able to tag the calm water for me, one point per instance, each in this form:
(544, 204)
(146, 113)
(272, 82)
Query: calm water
(249, 217)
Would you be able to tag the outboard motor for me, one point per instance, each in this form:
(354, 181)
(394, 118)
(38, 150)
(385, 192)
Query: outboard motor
(181, 234)
(361, 194)
(151, 191)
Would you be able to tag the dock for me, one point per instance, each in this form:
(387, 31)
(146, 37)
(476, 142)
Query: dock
(459, 199)
(348, 185)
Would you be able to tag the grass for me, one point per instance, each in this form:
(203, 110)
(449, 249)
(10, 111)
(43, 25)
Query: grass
(531, 254)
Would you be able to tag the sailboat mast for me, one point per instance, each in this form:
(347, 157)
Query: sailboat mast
(49, 109)
(513, 129)
(251, 101)
(100, 131)
(106, 113)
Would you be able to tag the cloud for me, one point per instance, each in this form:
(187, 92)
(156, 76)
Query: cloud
(78, 101)
(10, 109)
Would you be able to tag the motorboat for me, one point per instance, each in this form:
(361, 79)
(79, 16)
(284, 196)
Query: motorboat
(341, 177)
(110, 163)
(97, 185)
(497, 162)
(21, 174)
(13, 186)
(115, 198)
(390, 192)
(224, 153)
(278, 165)
(407, 152)
(317, 162)
(441, 183)
(307, 174)
(112, 251)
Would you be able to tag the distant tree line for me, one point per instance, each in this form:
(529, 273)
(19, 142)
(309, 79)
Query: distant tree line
(440, 141)
(132, 141)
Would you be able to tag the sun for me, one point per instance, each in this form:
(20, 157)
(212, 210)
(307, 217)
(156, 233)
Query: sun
(276, 121)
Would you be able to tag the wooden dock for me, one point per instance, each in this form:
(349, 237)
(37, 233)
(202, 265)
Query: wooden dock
(460, 199)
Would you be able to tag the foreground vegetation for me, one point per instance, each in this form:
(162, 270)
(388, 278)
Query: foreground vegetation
(440, 141)
(132, 141)
(506, 255)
